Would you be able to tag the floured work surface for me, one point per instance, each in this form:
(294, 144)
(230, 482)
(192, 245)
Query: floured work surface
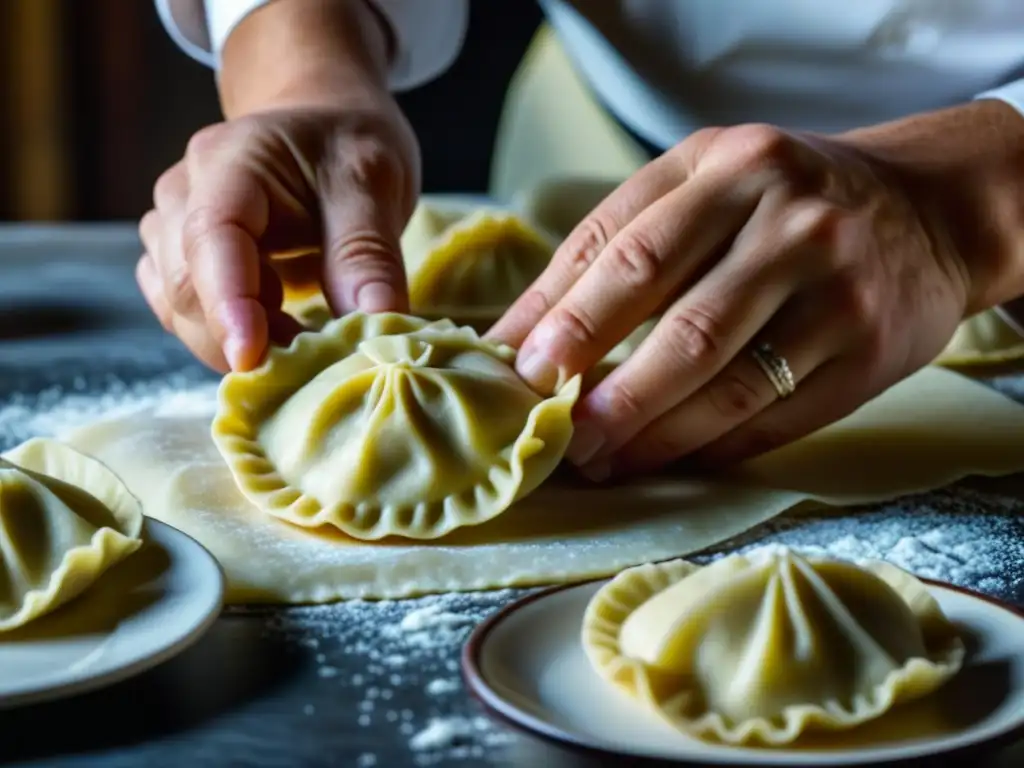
(928, 431)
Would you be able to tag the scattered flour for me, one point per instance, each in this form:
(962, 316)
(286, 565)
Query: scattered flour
(441, 686)
(407, 651)
(57, 409)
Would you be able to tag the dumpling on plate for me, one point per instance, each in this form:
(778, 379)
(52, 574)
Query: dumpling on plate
(469, 264)
(65, 519)
(759, 648)
(388, 425)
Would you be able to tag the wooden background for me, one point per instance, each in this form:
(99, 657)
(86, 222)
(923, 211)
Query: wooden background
(96, 101)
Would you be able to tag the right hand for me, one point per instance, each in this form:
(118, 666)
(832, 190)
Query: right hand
(333, 186)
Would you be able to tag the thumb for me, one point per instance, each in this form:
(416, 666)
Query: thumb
(363, 266)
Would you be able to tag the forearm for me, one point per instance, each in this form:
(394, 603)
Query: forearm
(965, 167)
(304, 53)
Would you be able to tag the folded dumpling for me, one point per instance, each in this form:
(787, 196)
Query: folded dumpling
(759, 648)
(385, 424)
(65, 519)
(470, 264)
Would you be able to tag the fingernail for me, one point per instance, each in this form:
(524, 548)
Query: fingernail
(376, 297)
(234, 351)
(538, 371)
(597, 471)
(586, 441)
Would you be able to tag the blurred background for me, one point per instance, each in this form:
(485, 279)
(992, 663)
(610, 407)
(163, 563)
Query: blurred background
(96, 101)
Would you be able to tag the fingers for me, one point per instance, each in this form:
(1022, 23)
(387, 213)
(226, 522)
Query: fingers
(585, 243)
(799, 334)
(829, 394)
(225, 214)
(659, 252)
(363, 216)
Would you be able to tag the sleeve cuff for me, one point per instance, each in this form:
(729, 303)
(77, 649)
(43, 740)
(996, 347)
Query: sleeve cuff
(1012, 93)
(427, 35)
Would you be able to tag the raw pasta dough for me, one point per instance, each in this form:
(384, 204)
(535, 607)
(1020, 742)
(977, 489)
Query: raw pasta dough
(64, 520)
(387, 425)
(760, 648)
(985, 339)
(923, 433)
(470, 264)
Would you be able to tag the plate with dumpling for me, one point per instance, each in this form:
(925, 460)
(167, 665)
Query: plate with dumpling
(93, 592)
(766, 658)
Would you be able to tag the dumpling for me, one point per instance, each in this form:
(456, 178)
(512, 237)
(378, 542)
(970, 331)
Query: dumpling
(471, 264)
(984, 339)
(560, 204)
(762, 647)
(388, 425)
(65, 519)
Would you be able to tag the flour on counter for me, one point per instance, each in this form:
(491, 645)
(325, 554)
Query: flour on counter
(57, 410)
(441, 686)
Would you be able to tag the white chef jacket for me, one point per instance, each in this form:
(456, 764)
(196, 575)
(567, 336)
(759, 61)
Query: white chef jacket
(667, 67)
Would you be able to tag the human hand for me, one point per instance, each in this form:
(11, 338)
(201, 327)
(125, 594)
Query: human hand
(335, 186)
(740, 237)
(315, 162)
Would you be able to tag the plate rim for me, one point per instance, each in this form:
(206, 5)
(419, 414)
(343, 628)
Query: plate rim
(481, 692)
(126, 672)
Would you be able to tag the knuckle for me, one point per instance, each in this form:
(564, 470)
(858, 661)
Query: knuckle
(693, 336)
(585, 244)
(858, 301)
(171, 187)
(622, 402)
(817, 223)
(573, 325)
(635, 260)
(196, 227)
(149, 227)
(733, 397)
(535, 303)
(207, 139)
(181, 292)
(363, 251)
(755, 146)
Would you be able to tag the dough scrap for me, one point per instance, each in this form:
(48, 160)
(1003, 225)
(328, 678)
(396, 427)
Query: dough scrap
(388, 425)
(925, 432)
(763, 647)
(65, 519)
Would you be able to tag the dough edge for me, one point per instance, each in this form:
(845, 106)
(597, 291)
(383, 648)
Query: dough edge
(46, 458)
(548, 424)
(609, 608)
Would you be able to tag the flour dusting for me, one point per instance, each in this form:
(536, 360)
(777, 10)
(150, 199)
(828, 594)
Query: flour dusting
(406, 652)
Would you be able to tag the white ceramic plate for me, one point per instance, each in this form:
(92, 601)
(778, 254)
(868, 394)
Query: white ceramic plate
(527, 666)
(140, 613)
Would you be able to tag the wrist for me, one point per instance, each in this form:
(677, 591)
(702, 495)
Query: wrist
(963, 169)
(305, 53)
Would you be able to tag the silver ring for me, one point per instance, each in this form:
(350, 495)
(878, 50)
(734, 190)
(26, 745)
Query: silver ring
(775, 368)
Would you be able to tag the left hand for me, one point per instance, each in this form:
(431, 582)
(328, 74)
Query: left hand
(739, 237)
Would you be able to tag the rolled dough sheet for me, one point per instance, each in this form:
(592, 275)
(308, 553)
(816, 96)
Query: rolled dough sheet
(927, 431)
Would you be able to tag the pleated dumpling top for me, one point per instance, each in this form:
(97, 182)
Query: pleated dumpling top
(469, 263)
(389, 425)
(759, 648)
(65, 519)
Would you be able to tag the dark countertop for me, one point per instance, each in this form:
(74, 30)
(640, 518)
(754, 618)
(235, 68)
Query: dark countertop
(309, 686)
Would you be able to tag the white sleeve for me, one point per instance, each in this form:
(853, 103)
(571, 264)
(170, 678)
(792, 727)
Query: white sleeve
(427, 35)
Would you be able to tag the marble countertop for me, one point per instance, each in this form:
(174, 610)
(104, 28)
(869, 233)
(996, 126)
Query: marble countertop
(319, 685)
